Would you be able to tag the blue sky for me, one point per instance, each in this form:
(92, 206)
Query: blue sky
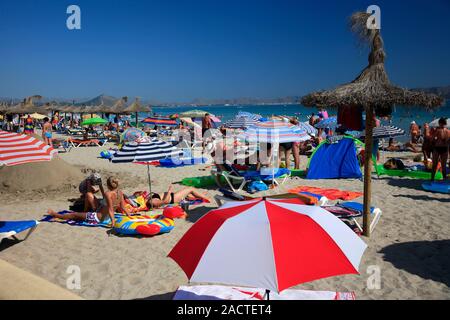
(180, 50)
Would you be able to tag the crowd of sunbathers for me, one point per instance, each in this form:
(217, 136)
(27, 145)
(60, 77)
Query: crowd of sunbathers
(97, 210)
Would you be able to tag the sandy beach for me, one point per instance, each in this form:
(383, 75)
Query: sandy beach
(410, 244)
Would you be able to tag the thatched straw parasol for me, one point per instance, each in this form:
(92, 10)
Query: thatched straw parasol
(26, 106)
(136, 107)
(373, 91)
(119, 106)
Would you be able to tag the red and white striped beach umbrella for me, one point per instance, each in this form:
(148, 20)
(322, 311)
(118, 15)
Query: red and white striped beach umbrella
(273, 244)
(19, 148)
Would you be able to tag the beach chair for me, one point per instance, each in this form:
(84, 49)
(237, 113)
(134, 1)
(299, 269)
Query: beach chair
(11, 228)
(76, 143)
(233, 176)
(61, 145)
(354, 210)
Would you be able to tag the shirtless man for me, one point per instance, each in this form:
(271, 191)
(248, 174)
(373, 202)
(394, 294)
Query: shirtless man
(47, 131)
(440, 141)
(427, 147)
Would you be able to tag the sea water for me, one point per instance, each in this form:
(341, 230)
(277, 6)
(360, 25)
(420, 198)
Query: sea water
(401, 116)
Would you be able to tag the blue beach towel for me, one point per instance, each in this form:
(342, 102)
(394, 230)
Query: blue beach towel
(104, 224)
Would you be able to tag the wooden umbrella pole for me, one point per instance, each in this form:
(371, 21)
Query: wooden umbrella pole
(368, 170)
(136, 119)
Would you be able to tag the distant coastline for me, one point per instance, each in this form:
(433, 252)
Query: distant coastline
(108, 100)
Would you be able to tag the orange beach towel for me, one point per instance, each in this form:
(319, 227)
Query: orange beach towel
(331, 194)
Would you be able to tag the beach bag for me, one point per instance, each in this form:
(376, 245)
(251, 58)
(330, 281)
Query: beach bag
(256, 186)
(394, 163)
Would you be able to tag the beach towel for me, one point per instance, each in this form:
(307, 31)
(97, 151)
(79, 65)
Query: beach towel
(104, 224)
(137, 202)
(216, 292)
(330, 194)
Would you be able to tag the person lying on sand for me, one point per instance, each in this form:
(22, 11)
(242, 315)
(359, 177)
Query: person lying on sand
(171, 197)
(112, 200)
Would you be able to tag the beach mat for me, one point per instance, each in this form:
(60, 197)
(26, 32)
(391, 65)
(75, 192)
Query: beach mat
(330, 194)
(438, 187)
(216, 292)
(104, 224)
(415, 174)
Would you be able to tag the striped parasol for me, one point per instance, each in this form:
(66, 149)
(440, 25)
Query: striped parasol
(146, 150)
(385, 132)
(308, 128)
(249, 115)
(240, 122)
(273, 244)
(435, 123)
(19, 148)
(131, 135)
(274, 132)
(160, 121)
(329, 123)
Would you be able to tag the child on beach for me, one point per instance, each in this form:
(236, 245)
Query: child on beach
(113, 199)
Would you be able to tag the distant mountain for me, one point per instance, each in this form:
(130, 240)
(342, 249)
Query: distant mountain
(441, 91)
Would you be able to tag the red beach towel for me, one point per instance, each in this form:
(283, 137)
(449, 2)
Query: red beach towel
(331, 194)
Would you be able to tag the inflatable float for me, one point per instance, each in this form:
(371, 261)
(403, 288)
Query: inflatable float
(149, 225)
(440, 187)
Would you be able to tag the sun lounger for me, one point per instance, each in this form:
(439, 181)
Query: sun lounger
(216, 292)
(233, 176)
(11, 228)
(85, 143)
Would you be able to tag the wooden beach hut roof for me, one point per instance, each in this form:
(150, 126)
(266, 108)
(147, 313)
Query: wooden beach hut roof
(372, 87)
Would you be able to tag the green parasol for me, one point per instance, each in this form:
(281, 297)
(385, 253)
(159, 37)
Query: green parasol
(93, 122)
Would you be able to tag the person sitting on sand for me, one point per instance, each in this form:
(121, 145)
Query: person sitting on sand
(88, 188)
(440, 141)
(113, 199)
(392, 146)
(170, 197)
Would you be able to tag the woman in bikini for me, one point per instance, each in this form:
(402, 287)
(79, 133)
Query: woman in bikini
(440, 141)
(171, 197)
(112, 200)
(47, 131)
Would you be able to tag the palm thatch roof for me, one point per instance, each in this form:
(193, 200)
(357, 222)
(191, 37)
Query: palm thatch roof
(52, 106)
(137, 107)
(119, 106)
(26, 106)
(372, 87)
(3, 107)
